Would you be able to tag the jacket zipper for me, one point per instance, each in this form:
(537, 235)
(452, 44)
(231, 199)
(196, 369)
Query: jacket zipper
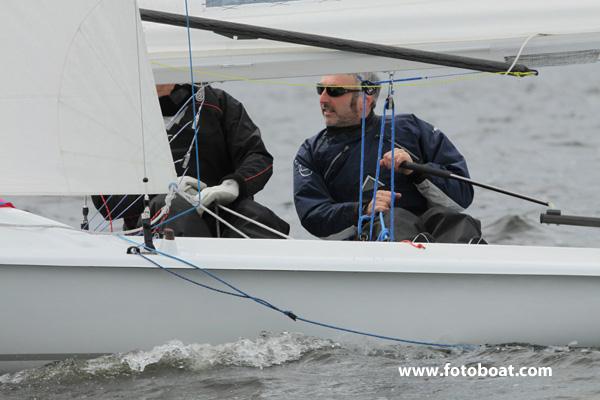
(334, 160)
(399, 146)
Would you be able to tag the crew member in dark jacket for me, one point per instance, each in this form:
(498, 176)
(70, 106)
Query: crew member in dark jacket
(234, 163)
(327, 171)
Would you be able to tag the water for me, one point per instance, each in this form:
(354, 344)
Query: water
(293, 366)
(537, 136)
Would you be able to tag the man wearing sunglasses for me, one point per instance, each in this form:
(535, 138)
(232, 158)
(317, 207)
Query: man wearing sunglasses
(327, 171)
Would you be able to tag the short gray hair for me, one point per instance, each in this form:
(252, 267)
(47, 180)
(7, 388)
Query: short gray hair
(371, 77)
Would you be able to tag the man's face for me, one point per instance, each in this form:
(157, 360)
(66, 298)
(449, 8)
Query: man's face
(344, 110)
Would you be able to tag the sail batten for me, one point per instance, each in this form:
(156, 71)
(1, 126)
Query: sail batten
(70, 101)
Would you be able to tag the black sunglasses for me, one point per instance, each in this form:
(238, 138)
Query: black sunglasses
(333, 91)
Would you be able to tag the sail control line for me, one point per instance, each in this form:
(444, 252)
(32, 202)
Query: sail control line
(385, 233)
(247, 31)
(237, 292)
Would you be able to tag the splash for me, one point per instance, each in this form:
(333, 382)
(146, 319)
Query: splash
(266, 351)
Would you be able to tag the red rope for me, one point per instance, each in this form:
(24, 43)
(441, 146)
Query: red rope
(107, 212)
(164, 217)
(6, 204)
(415, 245)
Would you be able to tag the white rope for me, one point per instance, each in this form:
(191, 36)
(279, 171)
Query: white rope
(179, 131)
(186, 189)
(276, 232)
(163, 211)
(174, 118)
(137, 43)
(187, 124)
(191, 200)
(242, 234)
(420, 235)
(520, 51)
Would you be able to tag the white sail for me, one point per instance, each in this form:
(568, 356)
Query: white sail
(73, 74)
(561, 32)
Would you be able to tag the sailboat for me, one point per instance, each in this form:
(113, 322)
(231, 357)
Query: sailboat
(89, 82)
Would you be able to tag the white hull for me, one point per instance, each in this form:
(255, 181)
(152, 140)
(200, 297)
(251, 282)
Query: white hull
(64, 292)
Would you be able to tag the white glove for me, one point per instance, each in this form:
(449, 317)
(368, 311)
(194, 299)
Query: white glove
(225, 193)
(189, 185)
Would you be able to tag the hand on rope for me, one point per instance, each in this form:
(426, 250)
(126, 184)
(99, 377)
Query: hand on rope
(383, 201)
(187, 188)
(189, 185)
(400, 156)
(225, 193)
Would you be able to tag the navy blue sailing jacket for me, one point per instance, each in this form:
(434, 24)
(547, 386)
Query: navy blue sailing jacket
(327, 174)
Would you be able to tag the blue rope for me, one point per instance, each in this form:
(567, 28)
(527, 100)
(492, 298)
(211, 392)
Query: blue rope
(362, 218)
(129, 206)
(265, 303)
(98, 212)
(362, 167)
(102, 224)
(374, 335)
(414, 78)
(105, 205)
(174, 217)
(377, 172)
(384, 233)
(195, 125)
(185, 278)
(418, 78)
(240, 292)
(393, 172)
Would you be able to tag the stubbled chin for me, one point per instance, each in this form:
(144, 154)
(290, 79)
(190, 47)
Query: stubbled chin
(330, 121)
(329, 118)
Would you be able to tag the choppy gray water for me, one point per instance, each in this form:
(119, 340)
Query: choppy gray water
(289, 366)
(538, 136)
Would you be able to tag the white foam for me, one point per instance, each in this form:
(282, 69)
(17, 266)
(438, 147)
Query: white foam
(265, 351)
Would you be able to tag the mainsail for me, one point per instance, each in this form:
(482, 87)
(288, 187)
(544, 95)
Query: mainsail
(556, 32)
(78, 107)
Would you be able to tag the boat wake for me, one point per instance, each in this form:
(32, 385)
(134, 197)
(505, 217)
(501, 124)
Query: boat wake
(298, 367)
(266, 351)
